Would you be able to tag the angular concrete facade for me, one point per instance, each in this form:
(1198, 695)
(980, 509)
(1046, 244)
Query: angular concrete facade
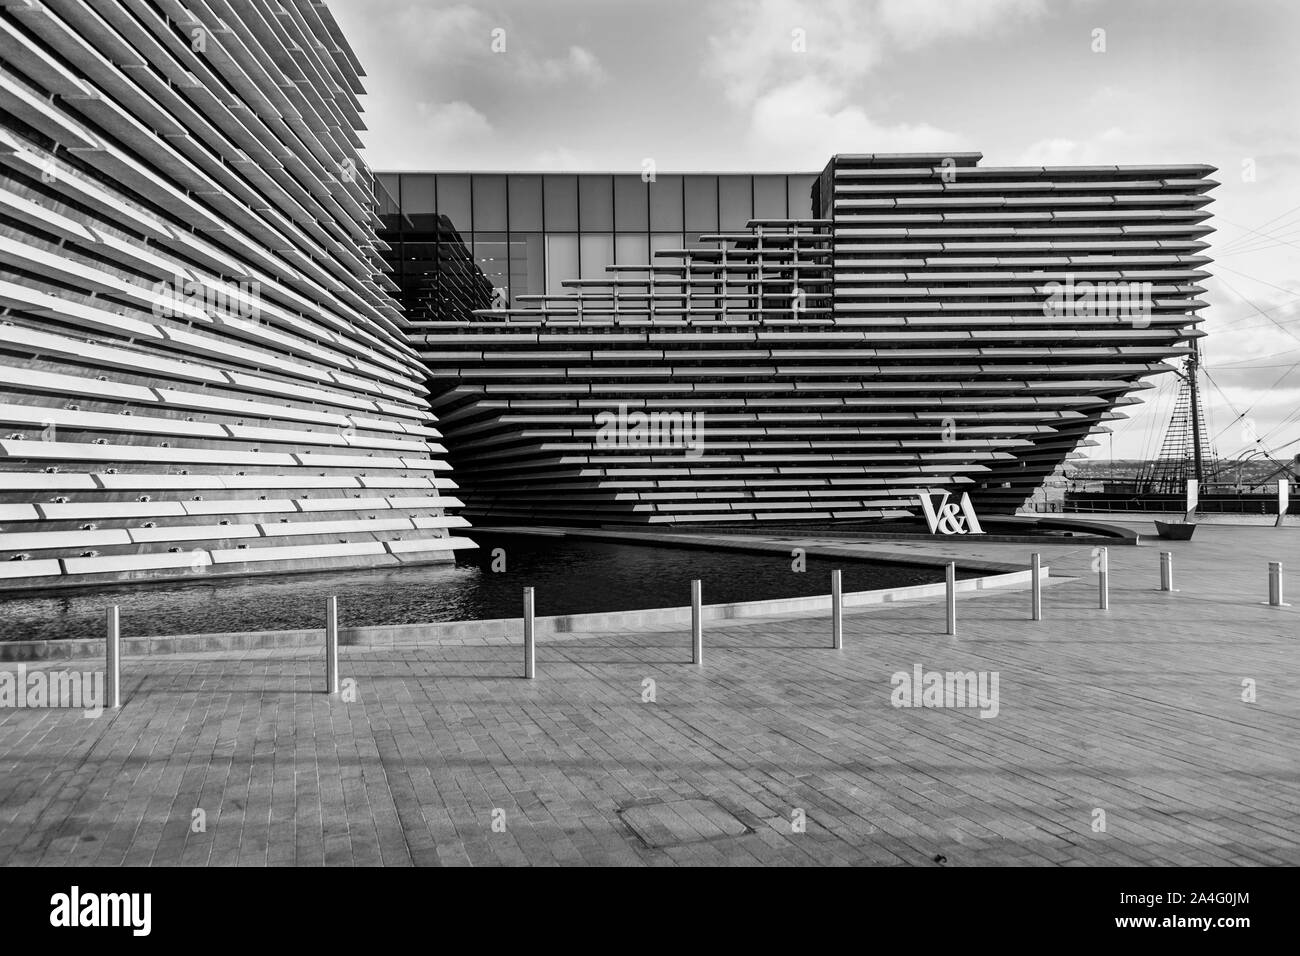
(202, 368)
(1011, 312)
(940, 326)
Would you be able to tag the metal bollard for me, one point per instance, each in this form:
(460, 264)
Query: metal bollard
(950, 582)
(112, 660)
(1166, 570)
(837, 612)
(530, 637)
(697, 624)
(332, 646)
(1103, 580)
(1275, 598)
(1036, 603)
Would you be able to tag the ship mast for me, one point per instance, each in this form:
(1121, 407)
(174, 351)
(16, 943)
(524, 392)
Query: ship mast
(1193, 376)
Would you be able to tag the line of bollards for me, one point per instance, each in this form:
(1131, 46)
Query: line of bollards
(1103, 579)
(837, 612)
(697, 623)
(530, 637)
(950, 589)
(1036, 587)
(113, 640)
(332, 646)
(1275, 596)
(112, 659)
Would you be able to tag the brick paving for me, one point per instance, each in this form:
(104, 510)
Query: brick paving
(448, 757)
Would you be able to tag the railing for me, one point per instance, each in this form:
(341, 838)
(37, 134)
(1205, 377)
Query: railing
(1213, 504)
(1121, 496)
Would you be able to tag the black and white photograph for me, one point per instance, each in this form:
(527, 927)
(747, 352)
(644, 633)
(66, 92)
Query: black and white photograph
(635, 434)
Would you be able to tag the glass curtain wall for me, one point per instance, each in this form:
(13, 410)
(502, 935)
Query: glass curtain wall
(461, 241)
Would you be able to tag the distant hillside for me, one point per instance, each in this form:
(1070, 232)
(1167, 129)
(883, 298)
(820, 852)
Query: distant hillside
(1228, 471)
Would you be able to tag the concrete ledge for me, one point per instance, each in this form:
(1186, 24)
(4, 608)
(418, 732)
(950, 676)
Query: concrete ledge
(742, 542)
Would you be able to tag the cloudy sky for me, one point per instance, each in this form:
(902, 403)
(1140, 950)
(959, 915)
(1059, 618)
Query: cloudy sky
(784, 84)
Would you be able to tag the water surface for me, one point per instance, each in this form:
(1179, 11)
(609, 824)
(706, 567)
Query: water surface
(570, 575)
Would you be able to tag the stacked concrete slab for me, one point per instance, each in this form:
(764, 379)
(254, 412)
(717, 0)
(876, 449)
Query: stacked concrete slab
(202, 368)
(942, 327)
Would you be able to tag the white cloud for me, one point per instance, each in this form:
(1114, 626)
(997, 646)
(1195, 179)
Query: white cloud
(457, 121)
(447, 36)
(464, 42)
(771, 43)
(911, 24)
(796, 65)
(562, 159)
(1107, 148)
(579, 63)
(799, 125)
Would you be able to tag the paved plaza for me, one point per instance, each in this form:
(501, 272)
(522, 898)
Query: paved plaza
(1120, 737)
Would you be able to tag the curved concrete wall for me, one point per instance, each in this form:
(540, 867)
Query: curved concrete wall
(202, 369)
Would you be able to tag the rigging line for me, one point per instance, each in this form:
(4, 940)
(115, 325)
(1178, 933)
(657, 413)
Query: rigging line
(1245, 275)
(1279, 216)
(1245, 240)
(1257, 233)
(1238, 242)
(1250, 250)
(1256, 245)
(1235, 367)
(1234, 327)
(1240, 415)
(1275, 384)
(1273, 308)
(1234, 323)
(1284, 423)
(1234, 291)
(1133, 413)
(1241, 363)
(1294, 441)
(1278, 430)
(1158, 415)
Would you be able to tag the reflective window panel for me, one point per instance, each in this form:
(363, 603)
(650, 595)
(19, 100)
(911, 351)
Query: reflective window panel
(769, 197)
(561, 203)
(493, 258)
(596, 203)
(666, 203)
(418, 204)
(525, 196)
(735, 197)
(489, 203)
(799, 190)
(701, 194)
(597, 251)
(454, 201)
(631, 204)
(561, 261)
(527, 265)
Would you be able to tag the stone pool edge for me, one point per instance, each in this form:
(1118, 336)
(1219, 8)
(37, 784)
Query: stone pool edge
(510, 630)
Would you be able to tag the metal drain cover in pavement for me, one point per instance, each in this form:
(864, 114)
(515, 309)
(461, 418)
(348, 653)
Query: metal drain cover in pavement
(663, 824)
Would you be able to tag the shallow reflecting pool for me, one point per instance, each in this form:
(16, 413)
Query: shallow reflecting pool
(571, 575)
